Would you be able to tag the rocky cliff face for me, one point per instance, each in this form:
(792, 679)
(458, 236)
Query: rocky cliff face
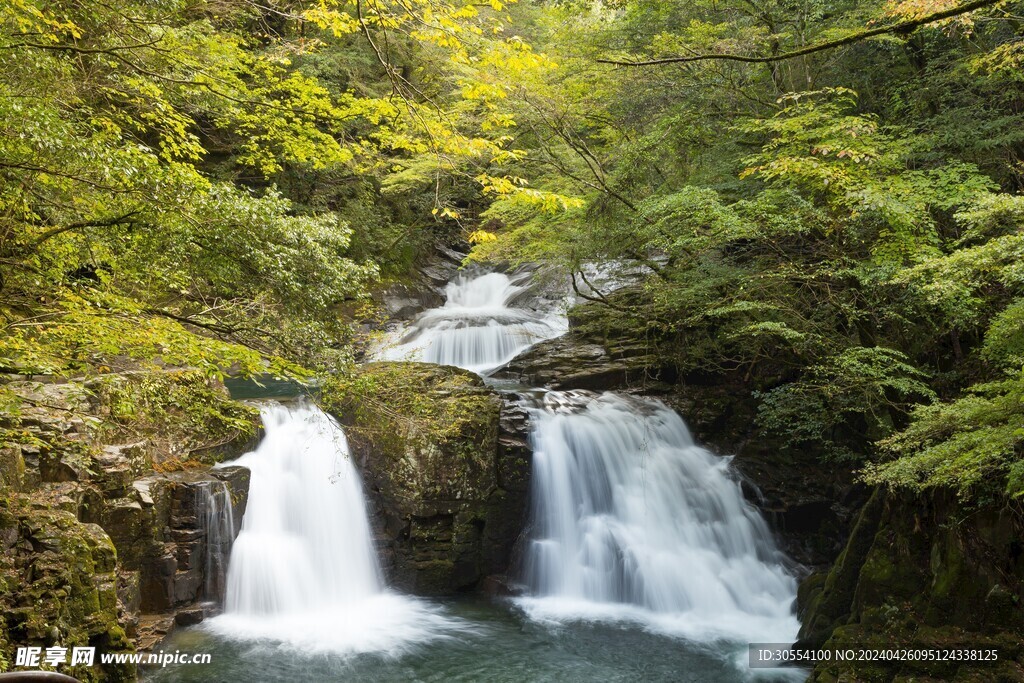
(58, 585)
(445, 470)
(402, 300)
(922, 570)
(103, 488)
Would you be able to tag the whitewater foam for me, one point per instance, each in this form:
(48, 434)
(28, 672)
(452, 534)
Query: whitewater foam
(303, 569)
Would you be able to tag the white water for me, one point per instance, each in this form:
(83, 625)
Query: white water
(479, 328)
(218, 522)
(303, 569)
(633, 521)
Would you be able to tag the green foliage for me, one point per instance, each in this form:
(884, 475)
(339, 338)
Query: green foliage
(218, 185)
(87, 331)
(967, 445)
(861, 170)
(178, 169)
(179, 412)
(842, 230)
(864, 383)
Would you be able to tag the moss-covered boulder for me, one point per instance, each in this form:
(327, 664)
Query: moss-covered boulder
(58, 586)
(447, 486)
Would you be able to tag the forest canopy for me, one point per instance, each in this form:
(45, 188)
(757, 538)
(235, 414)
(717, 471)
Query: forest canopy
(827, 196)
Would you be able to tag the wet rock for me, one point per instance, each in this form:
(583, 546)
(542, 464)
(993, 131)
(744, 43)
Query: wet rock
(436, 463)
(573, 362)
(498, 585)
(423, 289)
(153, 628)
(188, 585)
(189, 617)
(237, 479)
(403, 301)
(170, 543)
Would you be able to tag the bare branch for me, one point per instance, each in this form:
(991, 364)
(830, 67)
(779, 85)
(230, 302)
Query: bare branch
(903, 27)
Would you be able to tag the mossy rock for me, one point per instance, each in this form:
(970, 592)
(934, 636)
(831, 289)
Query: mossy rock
(923, 571)
(833, 602)
(12, 468)
(81, 504)
(426, 432)
(60, 585)
(426, 438)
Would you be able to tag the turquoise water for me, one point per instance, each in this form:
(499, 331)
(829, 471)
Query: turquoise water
(501, 645)
(262, 387)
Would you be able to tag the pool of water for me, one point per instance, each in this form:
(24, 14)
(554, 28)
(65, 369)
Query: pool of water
(496, 642)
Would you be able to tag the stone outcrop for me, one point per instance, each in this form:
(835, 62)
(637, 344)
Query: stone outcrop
(445, 469)
(425, 289)
(595, 354)
(160, 535)
(575, 362)
(58, 584)
(102, 493)
(403, 299)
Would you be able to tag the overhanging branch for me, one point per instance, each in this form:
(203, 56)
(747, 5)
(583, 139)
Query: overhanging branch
(902, 27)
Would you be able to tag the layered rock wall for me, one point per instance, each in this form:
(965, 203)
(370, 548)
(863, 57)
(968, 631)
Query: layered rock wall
(102, 487)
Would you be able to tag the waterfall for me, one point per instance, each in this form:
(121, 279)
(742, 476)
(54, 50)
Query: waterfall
(303, 568)
(305, 539)
(633, 520)
(218, 523)
(478, 328)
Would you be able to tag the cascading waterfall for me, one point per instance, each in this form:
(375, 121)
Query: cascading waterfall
(218, 523)
(479, 328)
(305, 539)
(633, 520)
(303, 568)
(632, 524)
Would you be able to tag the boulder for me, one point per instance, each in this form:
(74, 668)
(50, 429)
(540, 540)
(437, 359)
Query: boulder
(59, 585)
(446, 483)
(573, 362)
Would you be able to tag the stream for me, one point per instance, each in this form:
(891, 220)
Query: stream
(643, 561)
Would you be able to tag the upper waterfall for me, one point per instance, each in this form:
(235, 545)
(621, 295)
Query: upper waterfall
(479, 327)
